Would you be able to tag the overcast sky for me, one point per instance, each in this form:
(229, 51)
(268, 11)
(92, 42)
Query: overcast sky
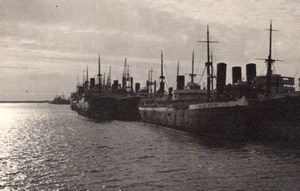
(45, 45)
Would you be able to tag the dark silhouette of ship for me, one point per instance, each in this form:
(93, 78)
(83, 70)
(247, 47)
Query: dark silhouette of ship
(106, 101)
(244, 109)
(61, 100)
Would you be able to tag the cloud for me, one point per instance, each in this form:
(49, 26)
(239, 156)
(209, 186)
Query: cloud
(12, 67)
(47, 37)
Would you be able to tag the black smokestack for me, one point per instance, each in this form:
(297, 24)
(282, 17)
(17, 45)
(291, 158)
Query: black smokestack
(131, 85)
(180, 82)
(137, 87)
(221, 77)
(115, 85)
(92, 82)
(250, 72)
(236, 74)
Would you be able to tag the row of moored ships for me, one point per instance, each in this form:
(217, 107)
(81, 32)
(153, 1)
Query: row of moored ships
(260, 106)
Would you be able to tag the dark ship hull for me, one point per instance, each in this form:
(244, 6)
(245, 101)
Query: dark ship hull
(127, 108)
(279, 118)
(110, 108)
(272, 119)
(227, 121)
(60, 101)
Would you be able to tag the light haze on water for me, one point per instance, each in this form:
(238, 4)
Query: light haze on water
(50, 147)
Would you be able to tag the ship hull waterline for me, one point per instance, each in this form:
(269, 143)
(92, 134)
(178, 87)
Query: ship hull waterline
(107, 108)
(274, 119)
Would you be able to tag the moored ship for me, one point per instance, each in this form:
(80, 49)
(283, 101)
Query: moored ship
(60, 100)
(240, 110)
(106, 101)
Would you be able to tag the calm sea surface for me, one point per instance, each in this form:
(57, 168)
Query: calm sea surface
(49, 147)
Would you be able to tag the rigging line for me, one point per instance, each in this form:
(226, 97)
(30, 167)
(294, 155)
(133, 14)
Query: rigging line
(200, 80)
(60, 37)
(38, 54)
(167, 76)
(201, 56)
(48, 47)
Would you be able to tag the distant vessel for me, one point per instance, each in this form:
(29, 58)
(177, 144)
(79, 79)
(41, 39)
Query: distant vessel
(61, 100)
(104, 101)
(239, 110)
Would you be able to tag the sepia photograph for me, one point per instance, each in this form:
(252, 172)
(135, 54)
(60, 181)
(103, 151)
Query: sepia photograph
(149, 95)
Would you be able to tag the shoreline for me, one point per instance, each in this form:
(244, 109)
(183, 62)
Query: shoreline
(24, 101)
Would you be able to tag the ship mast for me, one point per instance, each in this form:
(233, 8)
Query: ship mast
(124, 79)
(104, 80)
(151, 83)
(87, 73)
(212, 72)
(161, 90)
(109, 77)
(208, 64)
(269, 61)
(127, 77)
(192, 74)
(99, 73)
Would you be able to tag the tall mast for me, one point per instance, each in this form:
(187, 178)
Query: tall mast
(208, 64)
(269, 61)
(127, 77)
(109, 77)
(99, 72)
(104, 79)
(161, 66)
(124, 78)
(99, 68)
(87, 73)
(128, 71)
(192, 74)
(151, 72)
(212, 72)
(151, 83)
(161, 90)
(125, 67)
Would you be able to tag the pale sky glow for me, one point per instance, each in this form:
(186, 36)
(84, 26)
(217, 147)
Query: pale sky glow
(45, 45)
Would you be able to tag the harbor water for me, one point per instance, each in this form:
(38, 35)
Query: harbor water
(50, 147)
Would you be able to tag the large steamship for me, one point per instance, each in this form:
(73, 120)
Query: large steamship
(106, 101)
(239, 110)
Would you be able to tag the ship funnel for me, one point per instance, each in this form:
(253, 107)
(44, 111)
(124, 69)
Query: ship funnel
(250, 72)
(131, 84)
(92, 82)
(137, 87)
(221, 77)
(115, 85)
(81, 89)
(236, 74)
(180, 82)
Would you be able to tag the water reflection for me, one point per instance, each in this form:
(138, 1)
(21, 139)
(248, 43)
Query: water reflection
(50, 147)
